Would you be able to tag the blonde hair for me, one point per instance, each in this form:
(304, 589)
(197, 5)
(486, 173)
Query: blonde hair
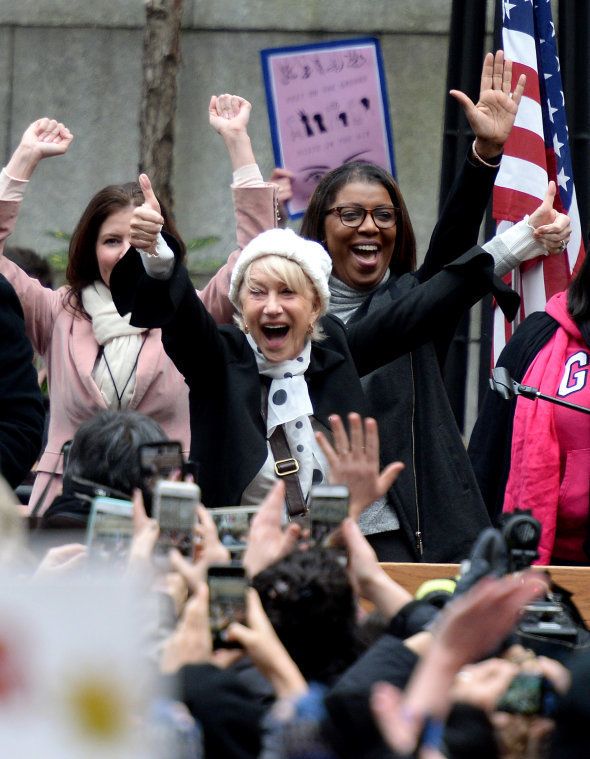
(289, 273)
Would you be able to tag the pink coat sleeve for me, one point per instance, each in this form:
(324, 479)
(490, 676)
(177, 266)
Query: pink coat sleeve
(40, 304)
(255, 211)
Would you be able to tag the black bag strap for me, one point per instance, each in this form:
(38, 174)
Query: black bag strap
(286, 465)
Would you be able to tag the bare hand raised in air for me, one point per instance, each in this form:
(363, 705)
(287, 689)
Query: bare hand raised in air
(41, 139)
(229, 113)
(492, 117)
(47, 137)
(354, 461)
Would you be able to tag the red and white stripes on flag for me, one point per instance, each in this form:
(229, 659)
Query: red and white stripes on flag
(536, 152)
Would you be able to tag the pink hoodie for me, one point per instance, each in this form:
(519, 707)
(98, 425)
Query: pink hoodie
(550, 457)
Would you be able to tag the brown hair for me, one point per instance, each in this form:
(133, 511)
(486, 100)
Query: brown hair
(82, 269)
(313, 225)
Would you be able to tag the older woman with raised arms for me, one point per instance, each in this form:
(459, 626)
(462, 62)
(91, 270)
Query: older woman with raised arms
(279, 369)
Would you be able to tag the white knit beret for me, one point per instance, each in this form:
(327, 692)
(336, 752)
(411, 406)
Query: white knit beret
(311, 256)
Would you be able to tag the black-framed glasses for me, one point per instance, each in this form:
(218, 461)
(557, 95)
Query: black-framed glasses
(383, 217)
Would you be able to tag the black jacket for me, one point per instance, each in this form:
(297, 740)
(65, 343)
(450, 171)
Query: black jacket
(436, 497)
(491, 440)
(227, 429)
(22, 414)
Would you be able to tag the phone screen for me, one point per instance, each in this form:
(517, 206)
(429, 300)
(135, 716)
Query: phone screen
(175, 509)
(110, 530)
(157, 461)
(328, 507)
(233, 525)
(227, 602)
(529, 693)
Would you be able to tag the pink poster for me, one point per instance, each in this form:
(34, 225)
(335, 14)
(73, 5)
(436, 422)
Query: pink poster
(327, 105)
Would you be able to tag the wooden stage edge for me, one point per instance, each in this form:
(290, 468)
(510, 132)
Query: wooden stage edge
(574, 579)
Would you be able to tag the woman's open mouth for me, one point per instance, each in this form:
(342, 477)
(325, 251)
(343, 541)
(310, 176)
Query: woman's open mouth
(275, 333)
(366, 256)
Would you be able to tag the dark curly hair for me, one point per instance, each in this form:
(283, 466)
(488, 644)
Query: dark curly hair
(311, 605)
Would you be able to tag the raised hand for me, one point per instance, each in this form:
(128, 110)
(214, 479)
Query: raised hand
(552, 229)
(267, 652)
(367, 576)
(191, 642)
(492, 117)
(229, 116)
(146, 221)
(355, 462)
(47, 137)
(41, 139)
(229, 113)
(267, 540)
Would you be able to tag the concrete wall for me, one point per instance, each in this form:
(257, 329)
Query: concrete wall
(81, 62)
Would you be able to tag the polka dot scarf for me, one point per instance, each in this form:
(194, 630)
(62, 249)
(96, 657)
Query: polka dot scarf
(289, 404)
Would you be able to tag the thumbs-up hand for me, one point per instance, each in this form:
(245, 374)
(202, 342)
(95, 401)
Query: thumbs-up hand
(146, 221)
(552, 229)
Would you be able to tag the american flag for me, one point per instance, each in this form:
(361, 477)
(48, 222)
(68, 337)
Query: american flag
(536, 152)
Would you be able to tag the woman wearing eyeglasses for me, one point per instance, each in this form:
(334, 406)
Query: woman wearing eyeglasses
(434, 511)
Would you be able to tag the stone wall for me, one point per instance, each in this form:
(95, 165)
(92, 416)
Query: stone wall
(81, 63)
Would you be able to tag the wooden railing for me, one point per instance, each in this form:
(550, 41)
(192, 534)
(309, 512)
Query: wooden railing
(574, 579)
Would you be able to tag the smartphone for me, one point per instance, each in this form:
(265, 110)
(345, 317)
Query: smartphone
(227, 601)
(529, 693)
(110, 530)
(328, 507)
(157, 461)
(174, 507)
(233, 525)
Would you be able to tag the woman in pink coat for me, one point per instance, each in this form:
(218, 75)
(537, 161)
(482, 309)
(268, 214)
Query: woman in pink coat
(95, 360)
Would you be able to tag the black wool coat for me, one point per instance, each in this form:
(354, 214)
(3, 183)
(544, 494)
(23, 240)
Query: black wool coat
(436, 497)
(22, 414)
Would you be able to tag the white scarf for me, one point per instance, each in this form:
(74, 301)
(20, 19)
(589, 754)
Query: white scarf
(121, 344)
(289, 404)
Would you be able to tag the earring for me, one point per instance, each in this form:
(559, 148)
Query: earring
(310, 330)
(246, 328)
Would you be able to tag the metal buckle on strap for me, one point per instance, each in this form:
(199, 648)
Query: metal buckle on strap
(285, 467)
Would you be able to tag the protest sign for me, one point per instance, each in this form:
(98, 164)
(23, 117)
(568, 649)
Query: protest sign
(327, 105)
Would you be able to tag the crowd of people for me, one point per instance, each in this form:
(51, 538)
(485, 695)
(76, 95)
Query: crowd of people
(310, 360)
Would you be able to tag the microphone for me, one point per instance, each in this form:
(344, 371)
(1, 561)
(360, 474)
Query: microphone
(502, 383)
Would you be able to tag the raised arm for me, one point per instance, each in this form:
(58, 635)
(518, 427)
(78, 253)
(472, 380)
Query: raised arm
(255, 201)
(44, 138)
(544, 232)
(151, 285)
(491, 119)
(418, 315)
